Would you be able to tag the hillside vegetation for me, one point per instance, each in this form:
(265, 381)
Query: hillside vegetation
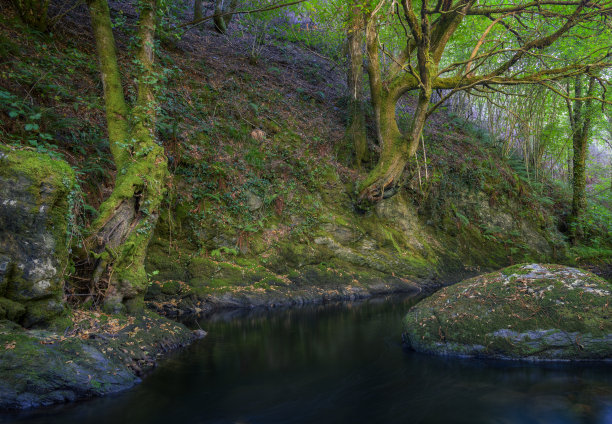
(260, 203)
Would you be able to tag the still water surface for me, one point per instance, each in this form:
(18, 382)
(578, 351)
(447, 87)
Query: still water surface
(340, 363)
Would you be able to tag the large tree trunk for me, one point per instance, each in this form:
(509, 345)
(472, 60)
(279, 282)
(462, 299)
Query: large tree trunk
(197, 10)
(356, 128)
(114, 101)
(609, 143)
(381, 181)
(581, 126)
(223, 15)
(127, 218)
(578, 183)
(33, 12)
(396, 149)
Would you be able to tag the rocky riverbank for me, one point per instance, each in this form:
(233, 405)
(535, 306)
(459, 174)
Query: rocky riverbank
(96, 355)
(313, 284)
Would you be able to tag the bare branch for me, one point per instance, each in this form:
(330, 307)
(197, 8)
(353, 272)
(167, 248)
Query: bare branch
(240, 12)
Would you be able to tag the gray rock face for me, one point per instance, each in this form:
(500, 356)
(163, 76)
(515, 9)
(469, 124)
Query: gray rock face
(34, 214)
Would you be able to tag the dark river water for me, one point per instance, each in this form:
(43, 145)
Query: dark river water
(340, 363)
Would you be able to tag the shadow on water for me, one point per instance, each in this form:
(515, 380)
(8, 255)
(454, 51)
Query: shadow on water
(339, 363)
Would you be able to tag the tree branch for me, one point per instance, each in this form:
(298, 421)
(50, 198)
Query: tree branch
(240, 12)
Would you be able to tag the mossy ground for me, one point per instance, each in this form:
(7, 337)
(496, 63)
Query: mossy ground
(257, 185)
(521, 312)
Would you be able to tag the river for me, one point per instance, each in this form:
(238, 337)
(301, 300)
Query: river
(339, 363)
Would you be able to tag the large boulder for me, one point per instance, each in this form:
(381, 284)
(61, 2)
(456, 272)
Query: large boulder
(528, 312)
(34, 233)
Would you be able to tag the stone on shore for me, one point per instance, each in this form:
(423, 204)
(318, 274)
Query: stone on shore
(523, 312)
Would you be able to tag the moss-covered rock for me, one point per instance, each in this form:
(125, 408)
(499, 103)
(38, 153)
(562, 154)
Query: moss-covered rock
(96, 354)
(11, 310)
(34, 224)
(528, 312)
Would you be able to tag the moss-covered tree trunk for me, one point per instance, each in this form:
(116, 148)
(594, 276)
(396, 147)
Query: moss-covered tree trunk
(33, 12)
(581, 126)
(396, 148)
(356, 128)
(578, 185)
(224, 10)
(127, 218)
(609, 142)
(116, 109)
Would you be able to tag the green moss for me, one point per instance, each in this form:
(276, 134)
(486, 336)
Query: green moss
(340, 220)
(232, 275)
(519, 269)
(41, 312)
(11, 310)
(135, 303)
(42, 168)
(61, 323)
(169, 265)
(293, 254)
(171, 288)
(202, 267)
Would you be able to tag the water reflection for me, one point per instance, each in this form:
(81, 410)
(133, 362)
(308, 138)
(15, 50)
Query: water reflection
(340, 363)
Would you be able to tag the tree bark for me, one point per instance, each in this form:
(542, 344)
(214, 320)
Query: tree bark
(116, 109)
(396, 149)
(383, 179)
(122, 231)
(356, 128)
(581, 126)
(223, 15)
(197, 10)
